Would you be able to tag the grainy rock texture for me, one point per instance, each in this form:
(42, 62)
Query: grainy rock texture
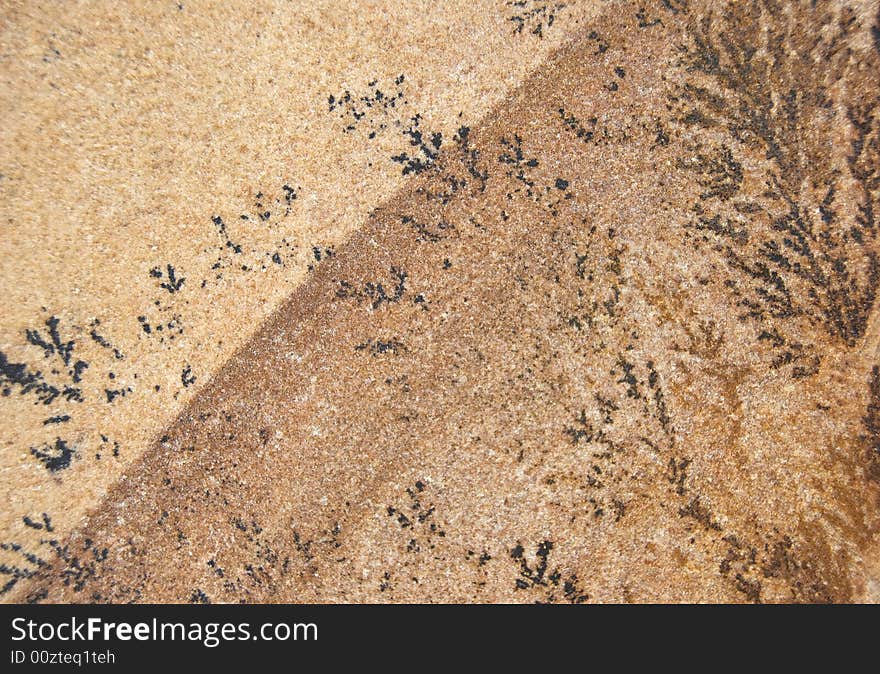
(616, 342)
(169, 172)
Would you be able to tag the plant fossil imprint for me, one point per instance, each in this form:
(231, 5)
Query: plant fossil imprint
(789, 161)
